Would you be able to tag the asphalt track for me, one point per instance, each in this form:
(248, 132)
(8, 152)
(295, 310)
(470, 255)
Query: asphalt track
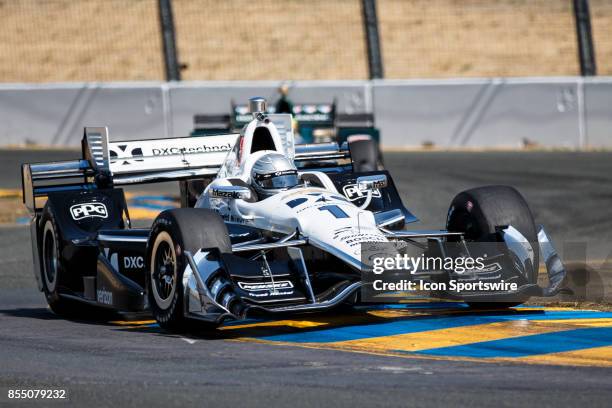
(416, 354)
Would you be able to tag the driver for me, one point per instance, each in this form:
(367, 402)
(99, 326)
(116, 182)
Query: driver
(273, 173)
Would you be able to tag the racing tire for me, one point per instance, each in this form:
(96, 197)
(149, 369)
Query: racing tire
(55, 273)
(478, 211)
(366, 155)
(174, 232)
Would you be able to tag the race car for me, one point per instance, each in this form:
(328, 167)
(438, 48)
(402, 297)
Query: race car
(266, 236)
(316, 123)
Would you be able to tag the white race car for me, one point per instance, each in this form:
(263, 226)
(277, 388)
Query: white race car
(278, 228)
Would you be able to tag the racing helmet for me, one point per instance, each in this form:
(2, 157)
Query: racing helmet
(273, 173)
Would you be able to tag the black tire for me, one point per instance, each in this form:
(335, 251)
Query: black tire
(478, 211)
(365, 155)
(56, 274)
(174, 232)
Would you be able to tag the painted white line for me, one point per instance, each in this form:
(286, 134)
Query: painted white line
(190, 341)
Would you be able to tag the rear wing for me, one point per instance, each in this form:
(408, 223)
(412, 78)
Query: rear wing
(311, 114)
(307, 114)
(105, 164)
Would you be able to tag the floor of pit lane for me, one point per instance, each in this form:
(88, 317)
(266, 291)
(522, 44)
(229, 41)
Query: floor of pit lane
(413, 354)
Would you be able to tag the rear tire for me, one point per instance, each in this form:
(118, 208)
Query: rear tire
(56, 274)
(174, 232)
(51, 262)
(478, 211)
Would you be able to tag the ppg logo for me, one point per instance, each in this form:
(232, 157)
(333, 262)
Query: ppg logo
(84, 210)
(352, 192)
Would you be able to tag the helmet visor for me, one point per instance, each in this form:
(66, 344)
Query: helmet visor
(284, 179)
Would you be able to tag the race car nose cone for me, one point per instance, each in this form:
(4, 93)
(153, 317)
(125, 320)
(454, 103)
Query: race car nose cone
(257, 105)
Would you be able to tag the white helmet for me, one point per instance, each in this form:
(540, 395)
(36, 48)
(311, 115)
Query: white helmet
(273, 173)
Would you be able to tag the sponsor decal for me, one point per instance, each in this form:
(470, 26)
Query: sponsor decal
(494, 267)
(132, 153)
(353, 193)
(124, 155)
(104, 296)
(353, 237)
(84, 210)
(220, 193)
(133, 262)
(270, 293)
(267, 286)
(267, 176)
(169, 151)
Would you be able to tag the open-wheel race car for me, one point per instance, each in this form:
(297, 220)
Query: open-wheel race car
(277, 229)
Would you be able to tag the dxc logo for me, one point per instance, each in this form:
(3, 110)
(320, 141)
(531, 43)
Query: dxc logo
(352, 192)
(84, 210)
(133, 262)
(124, 155)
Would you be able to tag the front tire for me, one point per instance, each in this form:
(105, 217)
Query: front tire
(174, 232)
(478, 211)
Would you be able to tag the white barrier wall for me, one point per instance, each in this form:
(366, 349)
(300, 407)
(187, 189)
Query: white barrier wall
(189, 98)
(479, 113)
(482, 113)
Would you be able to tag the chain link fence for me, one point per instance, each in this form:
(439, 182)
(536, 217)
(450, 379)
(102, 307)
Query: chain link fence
(477, 38)
(117, 40)
(601, 20)
(79, 40)
(270, 39)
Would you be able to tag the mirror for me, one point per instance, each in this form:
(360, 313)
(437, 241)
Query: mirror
(231, 192)
(369, 183)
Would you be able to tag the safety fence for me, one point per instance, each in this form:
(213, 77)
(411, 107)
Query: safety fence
(116, 40)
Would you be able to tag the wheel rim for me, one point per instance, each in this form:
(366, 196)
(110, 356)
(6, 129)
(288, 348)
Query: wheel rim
(50, 261)
(163, 270)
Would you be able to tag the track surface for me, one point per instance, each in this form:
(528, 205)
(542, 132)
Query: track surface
(303, 362)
